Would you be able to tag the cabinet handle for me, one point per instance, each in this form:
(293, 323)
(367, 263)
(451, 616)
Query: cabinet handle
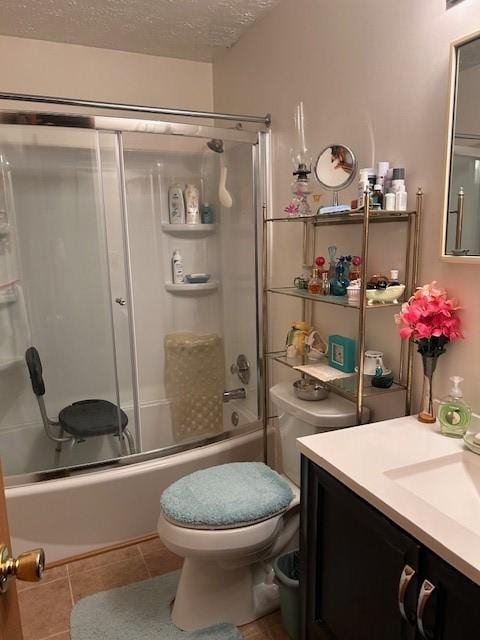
(426, 591)
(407, 575)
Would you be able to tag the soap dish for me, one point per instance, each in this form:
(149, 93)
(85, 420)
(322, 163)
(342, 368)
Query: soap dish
(468, 438)
(197, 278)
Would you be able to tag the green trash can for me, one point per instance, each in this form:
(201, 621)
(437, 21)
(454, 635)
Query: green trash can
(287, 572)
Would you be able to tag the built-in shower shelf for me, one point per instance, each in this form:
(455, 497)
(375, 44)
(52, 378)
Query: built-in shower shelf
(211, 285)
(4, 229)
(188, 228)
(5, 365)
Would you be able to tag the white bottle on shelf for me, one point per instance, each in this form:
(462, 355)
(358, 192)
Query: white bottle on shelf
(177, 268)
(176, 205)
(401, 200)
(192, 202)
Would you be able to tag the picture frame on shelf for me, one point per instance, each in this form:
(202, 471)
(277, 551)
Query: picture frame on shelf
(342, 353)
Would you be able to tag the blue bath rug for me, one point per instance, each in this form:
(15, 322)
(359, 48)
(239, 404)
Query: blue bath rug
(139, 611)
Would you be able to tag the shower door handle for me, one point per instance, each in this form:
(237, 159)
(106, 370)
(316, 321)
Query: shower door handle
(121, 301)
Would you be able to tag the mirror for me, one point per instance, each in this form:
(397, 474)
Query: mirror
(335, 168)
(461, 238)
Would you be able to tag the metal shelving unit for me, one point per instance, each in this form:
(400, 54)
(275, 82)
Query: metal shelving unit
(352, 387)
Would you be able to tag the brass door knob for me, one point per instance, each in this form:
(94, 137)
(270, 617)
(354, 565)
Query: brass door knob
(28, 566)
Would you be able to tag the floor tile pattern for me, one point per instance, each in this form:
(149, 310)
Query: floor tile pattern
(45, 607)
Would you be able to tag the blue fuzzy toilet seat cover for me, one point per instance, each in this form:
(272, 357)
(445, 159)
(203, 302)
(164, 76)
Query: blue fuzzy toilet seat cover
(226, 496)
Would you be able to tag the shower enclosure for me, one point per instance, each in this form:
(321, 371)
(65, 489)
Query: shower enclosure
(85, 277)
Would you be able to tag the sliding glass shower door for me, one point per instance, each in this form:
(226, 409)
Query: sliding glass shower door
(132, 361)
(190, 334)
(63, 291)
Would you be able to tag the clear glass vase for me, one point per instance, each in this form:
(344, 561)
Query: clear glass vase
(427, 411)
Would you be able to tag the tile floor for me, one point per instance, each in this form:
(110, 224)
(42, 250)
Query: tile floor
(45, 607)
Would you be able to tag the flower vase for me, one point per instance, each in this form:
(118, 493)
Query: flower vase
(427, 412)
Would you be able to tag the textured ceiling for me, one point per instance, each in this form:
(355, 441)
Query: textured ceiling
(191, 29)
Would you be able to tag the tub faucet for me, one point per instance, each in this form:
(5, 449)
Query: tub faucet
(234, 394)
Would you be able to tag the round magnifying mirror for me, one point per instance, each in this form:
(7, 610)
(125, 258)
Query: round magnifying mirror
(335, 167)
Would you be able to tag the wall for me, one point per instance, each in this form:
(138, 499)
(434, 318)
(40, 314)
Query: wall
(66, 70)
(373, 75)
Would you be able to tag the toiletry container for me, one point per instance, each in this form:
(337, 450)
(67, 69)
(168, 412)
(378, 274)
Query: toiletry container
(377, 197)
(401, 199)
(453, 414)
(382, 172)
(389, 201)
(176, 205)
(207, 214)
(364, 183)
(192, 204)
(394, 281)
(398, 179)
(177, 268)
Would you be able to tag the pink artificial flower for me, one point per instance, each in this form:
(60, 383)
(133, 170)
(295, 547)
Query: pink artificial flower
(429, 313)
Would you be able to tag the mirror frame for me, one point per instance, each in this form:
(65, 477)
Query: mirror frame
(452, 101)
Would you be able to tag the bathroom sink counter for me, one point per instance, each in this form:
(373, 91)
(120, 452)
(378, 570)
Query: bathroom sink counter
(428, 484)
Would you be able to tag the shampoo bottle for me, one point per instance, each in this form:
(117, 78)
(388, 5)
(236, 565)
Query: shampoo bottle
(176, 205)
(453, 414)
(177, 268)
(192, 202)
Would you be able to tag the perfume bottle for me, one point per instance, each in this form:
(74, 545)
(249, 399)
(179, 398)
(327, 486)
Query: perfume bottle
(325, 291)
(339, 284)
(314, 284)
(453, 414)
(332, 263)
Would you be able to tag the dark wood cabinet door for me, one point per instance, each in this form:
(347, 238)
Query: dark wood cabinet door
(451, 611)
(352, 560)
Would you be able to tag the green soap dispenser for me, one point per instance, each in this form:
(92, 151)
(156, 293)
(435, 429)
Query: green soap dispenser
(454, 415)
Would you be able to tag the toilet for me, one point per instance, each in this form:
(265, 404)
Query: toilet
(230, 521)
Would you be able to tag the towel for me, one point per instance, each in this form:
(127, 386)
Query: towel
(322, 372)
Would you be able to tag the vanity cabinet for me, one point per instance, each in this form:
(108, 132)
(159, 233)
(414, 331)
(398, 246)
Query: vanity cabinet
(364, 578)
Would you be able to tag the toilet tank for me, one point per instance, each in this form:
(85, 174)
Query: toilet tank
(298, 418)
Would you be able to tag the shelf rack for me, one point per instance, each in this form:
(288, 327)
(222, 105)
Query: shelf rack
(192, 287)
(352, 387)
(185, 229)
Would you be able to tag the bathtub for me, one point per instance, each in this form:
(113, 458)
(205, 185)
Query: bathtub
(84, 512)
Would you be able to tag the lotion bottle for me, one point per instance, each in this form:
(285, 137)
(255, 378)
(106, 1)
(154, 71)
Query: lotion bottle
(453, 414)
(192, 202)
(177, 268)
(176, 205)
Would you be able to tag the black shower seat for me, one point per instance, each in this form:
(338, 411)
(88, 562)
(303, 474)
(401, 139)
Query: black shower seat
(81, 420)
(89, 418)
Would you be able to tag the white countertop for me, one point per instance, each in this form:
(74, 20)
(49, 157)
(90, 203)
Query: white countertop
(427, 483)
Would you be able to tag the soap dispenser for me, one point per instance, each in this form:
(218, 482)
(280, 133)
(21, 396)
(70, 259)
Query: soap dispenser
(453, 414)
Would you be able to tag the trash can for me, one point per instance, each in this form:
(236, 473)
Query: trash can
(287, 572)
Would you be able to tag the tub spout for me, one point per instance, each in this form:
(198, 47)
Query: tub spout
(234, 394)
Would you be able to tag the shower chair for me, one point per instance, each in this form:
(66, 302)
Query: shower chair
(82, 419)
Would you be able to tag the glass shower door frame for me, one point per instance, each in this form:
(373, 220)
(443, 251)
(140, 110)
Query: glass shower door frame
(260, 141)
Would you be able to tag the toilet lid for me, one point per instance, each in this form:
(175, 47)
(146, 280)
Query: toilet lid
(226, 496)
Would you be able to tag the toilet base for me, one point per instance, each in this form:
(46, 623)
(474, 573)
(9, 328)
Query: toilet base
(208, 594)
